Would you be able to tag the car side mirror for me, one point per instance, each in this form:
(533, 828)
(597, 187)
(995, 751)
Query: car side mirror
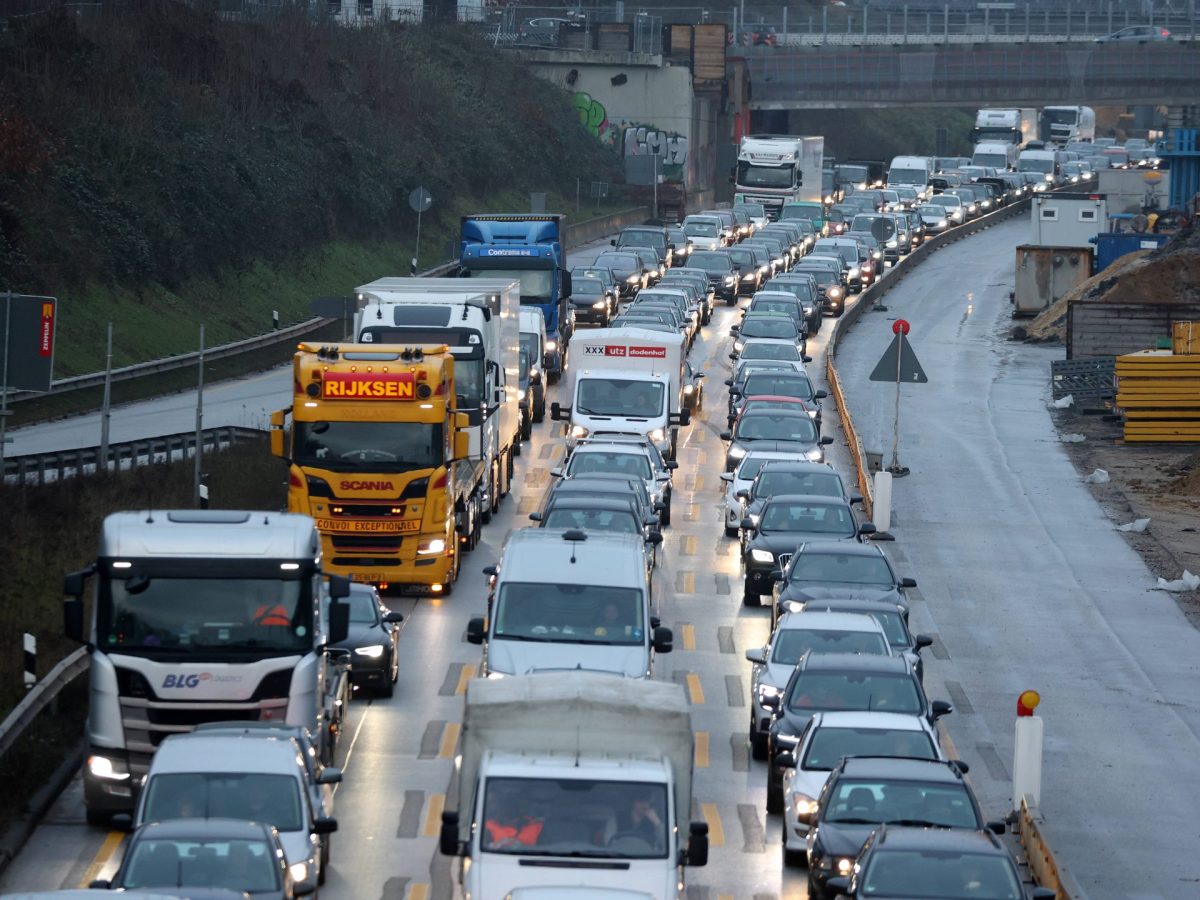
(1044, 893)
(491, 571)
(535, 517)
(654, 537)
(664, 640)
(448, 842)
(747, 524)
(908, 582)
(659, 506)
(839, 884)
(867, 528)
(826, 441)
(743, 494)
(734, 329)
(726, 436)
(806, 359)
(786, 759)
(820, 395)
(997, 827)
(733, 356)
(728, 382)
(324, 825)
(671, 465)
(393, 618)
(613, 242)
(757, 656)
(856, 498)
(330, 775)
(940, 708)
(921, 641)
(557, 472)
(476, 628)
(727, 477)
(771, 703)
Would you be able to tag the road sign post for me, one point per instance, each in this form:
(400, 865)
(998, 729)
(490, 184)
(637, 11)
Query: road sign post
(419, 201)
(899, 364)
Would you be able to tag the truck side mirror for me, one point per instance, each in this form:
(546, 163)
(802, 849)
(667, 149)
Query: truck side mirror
(475, 630)
(73, 585)
(566, 283)
(685, 416)
(697, 851)
(339, 621)
(324, 824)
(448, 842)
(339, 587)
(664, 640)
(278, 433)
(556, 411)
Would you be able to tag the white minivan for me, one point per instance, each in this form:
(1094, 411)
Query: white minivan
(253, 778)
(912, 171)
(570, 599)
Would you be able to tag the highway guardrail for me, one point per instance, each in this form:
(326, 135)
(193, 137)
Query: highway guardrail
(1046, 870)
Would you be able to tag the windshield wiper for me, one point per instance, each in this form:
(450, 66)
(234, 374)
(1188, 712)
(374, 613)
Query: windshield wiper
(852, 821)
(537, 639)
(917, 823)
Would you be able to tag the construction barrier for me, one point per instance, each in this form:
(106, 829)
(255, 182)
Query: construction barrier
(1158, 395)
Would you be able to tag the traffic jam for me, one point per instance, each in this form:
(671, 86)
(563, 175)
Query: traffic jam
(865, 796)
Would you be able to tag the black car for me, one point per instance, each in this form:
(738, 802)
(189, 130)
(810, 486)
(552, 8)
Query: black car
(620, 515)
(372, 641)
(208, 857)
(777, 383)
(592, 301)
(786, 522)
(720, 271)
(778, 477)
(825, 570)
(802, 286)
(829, 284)
(627, 267)
(926, 863)
(653, 236)
(902, 641)
(750, 273)
(840, 682)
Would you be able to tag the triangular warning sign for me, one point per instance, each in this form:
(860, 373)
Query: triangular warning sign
(899, 363)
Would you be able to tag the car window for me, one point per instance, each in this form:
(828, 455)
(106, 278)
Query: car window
(829, 745)
(773, 427)
(793, 643)
(821, 484)
(765, 384)
(768, 327)
(848, 691)
(257, 797)
(235, 865)
(841, 568)
(832, 519)
(632, 464)
(592, 520)
(754, 350)
(928, 873)
(894, 800)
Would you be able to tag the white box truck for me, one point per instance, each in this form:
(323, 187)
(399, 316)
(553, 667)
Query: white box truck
(1009, 126)
(574, 779)
(626, 381)
(776, 169)
(479, 321)
(202, 616)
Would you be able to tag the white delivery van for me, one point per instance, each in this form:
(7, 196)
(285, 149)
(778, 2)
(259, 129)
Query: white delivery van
(574, 780)
(566, 599)
(625, 381)
(533, 347)
(912, 171)
(1045, 163)
(999, 155)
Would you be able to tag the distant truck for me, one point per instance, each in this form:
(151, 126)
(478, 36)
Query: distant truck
(478, 321)
(626, 381)
(1008, 126)
(1063, 124)
(775, 169)
(527, 248)
(371, 423)
(558, 778)
(199, 616)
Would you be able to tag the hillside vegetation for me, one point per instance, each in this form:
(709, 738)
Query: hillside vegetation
(161, 166)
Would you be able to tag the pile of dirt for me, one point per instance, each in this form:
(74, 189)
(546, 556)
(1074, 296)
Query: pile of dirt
(1168, 275)
(1187, 484)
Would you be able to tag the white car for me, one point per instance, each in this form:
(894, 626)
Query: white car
(831, 736)
(635, 458)
(795, 635)
(740, 479)
(770, 348)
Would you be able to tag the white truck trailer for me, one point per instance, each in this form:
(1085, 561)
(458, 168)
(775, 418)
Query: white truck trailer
(626, 381)
(574, 779)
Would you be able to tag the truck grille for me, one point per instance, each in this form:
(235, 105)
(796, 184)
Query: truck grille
(387, 544)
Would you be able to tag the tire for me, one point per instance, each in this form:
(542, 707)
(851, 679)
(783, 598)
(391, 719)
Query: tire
(814, 890)
(774, 796)
(731, 532)
(98, 819)
(324, 861)
(758, 745)
(751, 598)
(468, 513)
(732, 301)
(664, 518)
(510, 469)
(790, 857)
(539, 406)
(493, 503)
(388, 688)
(526, 433)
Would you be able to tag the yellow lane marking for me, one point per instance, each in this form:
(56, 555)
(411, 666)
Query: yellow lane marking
(695, 691)
(701, 755)
(465, 674)
(689, 582)
(716, 831)
(689, 545)
(948, 742)
(103, 856)
(433, 815)
(527, 505)
(724, 896)
(418, 892)
(449, 740)
(689, 637)
(700, 485)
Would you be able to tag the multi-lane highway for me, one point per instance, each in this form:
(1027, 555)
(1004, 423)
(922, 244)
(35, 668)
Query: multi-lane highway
(1022, 583)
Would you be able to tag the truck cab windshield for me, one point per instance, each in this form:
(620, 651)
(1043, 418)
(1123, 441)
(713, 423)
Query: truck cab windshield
(368, 446)
(149, 612)
(620, 397)
(575, 817)
(751, 175)
(537, 285)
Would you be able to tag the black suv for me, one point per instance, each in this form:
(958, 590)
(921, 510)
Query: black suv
(949, 863)
(823, 570)
(840, 682)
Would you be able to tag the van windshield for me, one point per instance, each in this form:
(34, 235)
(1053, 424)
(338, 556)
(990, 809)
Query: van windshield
(908, 176)
(1028, 164)
(569, 613)
(620, 397)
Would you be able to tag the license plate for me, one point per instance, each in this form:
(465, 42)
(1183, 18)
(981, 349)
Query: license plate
(375, 527)
(369, 577)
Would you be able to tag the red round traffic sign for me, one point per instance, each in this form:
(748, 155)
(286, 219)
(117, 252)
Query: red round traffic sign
(900, 326)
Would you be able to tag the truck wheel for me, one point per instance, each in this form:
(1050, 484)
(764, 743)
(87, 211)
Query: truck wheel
(324, 861)
(493, 500)
(539, 406)
(526, 431)
(99, 819)
(510, 469)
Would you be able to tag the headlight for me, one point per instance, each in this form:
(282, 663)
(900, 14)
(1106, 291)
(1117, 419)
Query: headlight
(731, 279)
(816, 454)
(108, 769)
(427, 548)
(855, 272)
(844, 865)
(942, 223)
(373, 652)
(1049, 177)
(578, 431)
(298, 871)
(803, 805)
(657, 435)
(520, 393)
(834, 292)
(877, 254)
(688, 389)
(829, 198)
(551, 345)
(762, 556)
(972, 207)
(750, 277)
(736, 452)
(892, 244)
(600, 304)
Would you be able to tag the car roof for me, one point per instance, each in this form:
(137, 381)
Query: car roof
(844, 547)
(828, 621)
(797, 465)
(629, 448)
(813, 499)
(212, 753)
(872, 719)
(796, 413)
(899, 767)
(774, 398)
(963, 840)
(851, 662)
(774, 295)
(239, 829)
(575, 501)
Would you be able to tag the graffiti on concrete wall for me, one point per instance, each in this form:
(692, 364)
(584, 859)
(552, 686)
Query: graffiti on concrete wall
(642, 140)
(594, 117)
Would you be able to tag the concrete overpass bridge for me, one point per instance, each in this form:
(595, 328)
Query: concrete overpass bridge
(838, 76)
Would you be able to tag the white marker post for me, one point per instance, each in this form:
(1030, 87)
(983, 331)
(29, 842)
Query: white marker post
(1027, 751)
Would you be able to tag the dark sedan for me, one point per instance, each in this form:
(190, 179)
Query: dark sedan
(822, 570)
(786, 522)
(592, 301)
(720, 271)
(372, 641)
(796, 429)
